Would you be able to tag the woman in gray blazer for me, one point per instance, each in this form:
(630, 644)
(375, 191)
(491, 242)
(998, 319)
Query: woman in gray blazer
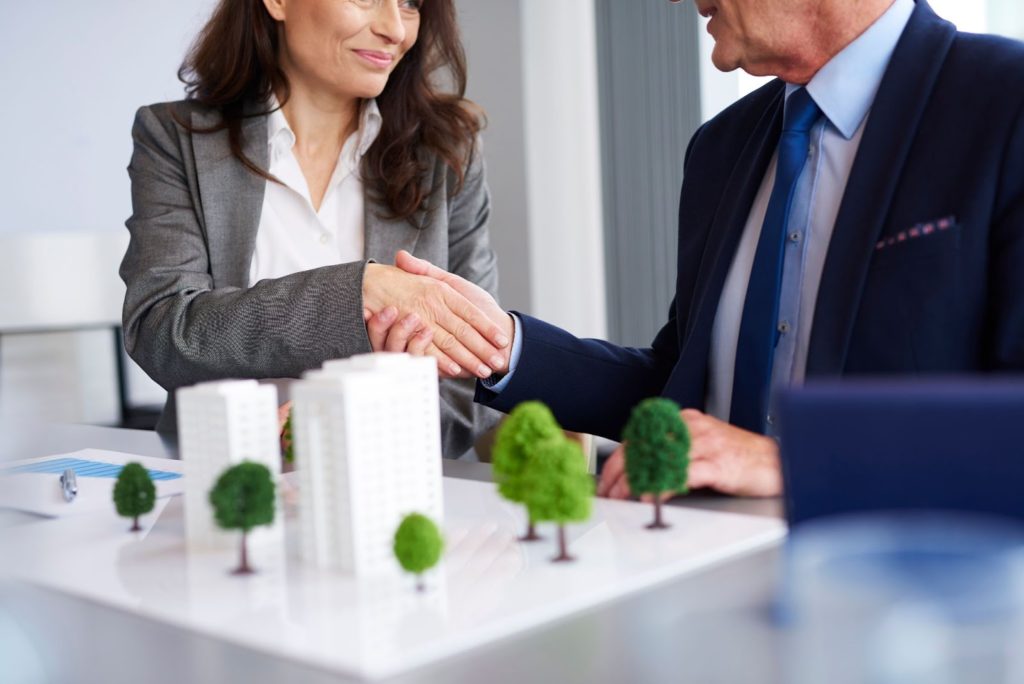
(268, 205)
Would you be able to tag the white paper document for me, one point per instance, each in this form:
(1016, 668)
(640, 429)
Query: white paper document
(33, 485)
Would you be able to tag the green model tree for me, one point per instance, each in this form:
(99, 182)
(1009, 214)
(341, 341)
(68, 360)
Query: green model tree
(242, 499)
(287, 441)
(134, 493)
(528, 426)
(418, 545)
(657, 452)
(558, 487)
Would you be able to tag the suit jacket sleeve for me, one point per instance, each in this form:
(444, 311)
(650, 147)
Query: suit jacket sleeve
(590, 385)
(469, 256)
(1006, 274)
(181, 328)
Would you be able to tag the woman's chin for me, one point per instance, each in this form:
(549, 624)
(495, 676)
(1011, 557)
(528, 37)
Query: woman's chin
(366, 88)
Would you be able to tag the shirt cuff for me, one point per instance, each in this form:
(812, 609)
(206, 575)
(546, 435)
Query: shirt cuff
(496, 383)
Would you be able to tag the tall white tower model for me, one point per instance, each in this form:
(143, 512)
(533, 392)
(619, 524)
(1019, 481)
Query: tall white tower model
(368, 451)
(221, 424)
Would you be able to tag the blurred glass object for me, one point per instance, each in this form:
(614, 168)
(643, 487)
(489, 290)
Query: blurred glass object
(905, 598)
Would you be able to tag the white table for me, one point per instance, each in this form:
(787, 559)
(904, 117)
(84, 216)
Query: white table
(712, 626)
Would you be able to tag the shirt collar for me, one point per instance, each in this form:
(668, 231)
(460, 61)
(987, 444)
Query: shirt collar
(370, 123)
(846, 86)
(281, 138)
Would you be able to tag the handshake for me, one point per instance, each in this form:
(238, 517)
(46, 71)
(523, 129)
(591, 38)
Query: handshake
(418, 308)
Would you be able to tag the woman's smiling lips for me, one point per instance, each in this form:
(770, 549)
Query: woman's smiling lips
(381, 60)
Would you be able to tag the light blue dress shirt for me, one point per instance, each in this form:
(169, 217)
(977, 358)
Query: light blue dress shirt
(844, 89)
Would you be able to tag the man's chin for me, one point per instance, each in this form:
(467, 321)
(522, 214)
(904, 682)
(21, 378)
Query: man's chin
(724, 61)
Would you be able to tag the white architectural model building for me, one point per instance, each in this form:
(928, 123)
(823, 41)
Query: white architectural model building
(368, 452)
(221, 424)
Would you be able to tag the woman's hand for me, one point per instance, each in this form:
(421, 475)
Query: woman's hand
(429, 316)
(408, 335)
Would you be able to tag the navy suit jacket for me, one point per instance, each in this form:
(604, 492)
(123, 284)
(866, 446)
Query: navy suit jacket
(925, 270)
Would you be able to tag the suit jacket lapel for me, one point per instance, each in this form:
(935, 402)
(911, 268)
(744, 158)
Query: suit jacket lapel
(688, 380)
(384, 236)
(892, 123)
(231, 195)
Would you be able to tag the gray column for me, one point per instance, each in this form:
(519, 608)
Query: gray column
(650, 106)
(492, 33)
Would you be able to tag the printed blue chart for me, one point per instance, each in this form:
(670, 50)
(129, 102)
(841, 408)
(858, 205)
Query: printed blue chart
(82, 468)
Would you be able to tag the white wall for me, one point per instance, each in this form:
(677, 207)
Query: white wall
(533, 67)
(563, 153)
(74, 73)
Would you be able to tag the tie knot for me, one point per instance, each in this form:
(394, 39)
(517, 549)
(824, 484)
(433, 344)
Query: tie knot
(801, 112)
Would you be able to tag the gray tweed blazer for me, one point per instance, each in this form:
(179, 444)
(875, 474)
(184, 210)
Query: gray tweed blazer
(188, 313)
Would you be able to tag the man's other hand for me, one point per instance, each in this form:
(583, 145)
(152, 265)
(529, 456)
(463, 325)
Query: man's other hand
(722, 457)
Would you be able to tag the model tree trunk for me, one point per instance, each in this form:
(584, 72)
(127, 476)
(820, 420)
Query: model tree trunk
(563, 551)
(531, 533)
(243, 565)
(135, 524)
(658, 523)
(420, 587)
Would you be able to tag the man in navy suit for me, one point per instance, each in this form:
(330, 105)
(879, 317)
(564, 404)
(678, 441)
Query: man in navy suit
(861, 214)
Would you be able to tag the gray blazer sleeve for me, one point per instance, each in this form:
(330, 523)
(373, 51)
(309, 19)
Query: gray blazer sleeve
(181, 328)
(471, 257)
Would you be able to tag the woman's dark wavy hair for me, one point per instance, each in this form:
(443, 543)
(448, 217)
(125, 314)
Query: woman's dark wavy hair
(232, 66)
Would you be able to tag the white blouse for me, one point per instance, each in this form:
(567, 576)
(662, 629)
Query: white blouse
(292, 235)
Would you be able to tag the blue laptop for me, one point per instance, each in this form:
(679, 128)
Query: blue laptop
(863, 446)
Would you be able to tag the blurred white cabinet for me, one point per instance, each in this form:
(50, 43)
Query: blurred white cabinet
(59, 316)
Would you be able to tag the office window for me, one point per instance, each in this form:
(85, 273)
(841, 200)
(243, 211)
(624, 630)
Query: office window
(1002, 17)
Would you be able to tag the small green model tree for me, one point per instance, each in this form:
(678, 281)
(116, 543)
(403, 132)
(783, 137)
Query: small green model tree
(418, 545)
(134, 493)
(242, 499)
(287, 441)
(657, 452)
(528, 426)
(558, 487)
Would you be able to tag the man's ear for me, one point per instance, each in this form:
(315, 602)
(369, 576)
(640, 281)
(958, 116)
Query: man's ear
(276, 8)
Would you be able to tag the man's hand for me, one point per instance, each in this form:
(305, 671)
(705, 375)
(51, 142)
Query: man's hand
(476, 295)
(461, 336)
(389, 332)
(722, 457)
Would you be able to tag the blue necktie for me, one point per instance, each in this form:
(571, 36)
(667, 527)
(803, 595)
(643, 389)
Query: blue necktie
(755, 350)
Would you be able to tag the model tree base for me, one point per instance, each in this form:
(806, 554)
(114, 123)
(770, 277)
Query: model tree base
(658, 523)
(243, 562)
(563, 548)
(531, 534)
